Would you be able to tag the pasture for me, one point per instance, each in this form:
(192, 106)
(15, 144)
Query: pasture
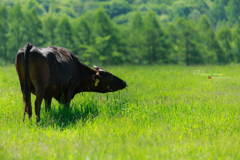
(167, 112)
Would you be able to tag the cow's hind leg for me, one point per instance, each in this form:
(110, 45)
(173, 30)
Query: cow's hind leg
(38, 73)
(39, 97)
(27, 95)
(40, 86)
(27, 102)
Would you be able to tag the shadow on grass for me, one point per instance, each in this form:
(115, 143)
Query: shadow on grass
(64, 116)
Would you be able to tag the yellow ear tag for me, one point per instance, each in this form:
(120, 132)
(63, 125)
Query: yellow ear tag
(96, 84)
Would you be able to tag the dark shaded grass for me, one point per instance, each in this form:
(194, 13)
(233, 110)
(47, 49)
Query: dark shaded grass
(64, 116)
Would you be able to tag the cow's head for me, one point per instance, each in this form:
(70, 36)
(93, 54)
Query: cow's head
(107, 82)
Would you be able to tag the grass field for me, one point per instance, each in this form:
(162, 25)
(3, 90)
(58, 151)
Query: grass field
(167, 112)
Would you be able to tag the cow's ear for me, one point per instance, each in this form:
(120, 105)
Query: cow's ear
(100, 69)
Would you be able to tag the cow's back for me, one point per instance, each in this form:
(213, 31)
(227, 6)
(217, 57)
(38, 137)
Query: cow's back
(61, 63)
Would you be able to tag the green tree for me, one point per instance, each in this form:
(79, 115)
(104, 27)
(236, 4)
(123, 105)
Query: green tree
(16, 31)
(78, 7)
(180, 8)
(176, 56)
(49, 28)
(189, 42)
(84, 31)
(233, 9)
(201, 5)
(33, 27)
(29, 4)
(84, 38)
(64, 31)
(236, 42)
(157, 42)
(108, 39)
(224, 36)
(117, 7)
(3, 32)
(217, 12)
(136, 40)
(208, 41)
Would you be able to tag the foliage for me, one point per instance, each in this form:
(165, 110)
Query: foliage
(189, 38)
(233, 10)
(136, 39)
(33, 29)
(64, 32)
(208, 42)
(107, 40)
(156, 41)
(49, 29)
(225, 37)
(3, 33)
(111, 32)
(117, 7)
(236, 42)
(16, 31)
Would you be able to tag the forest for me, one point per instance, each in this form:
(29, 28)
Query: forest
(115, 32)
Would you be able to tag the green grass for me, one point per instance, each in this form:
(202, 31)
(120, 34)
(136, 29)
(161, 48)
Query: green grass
(166, 113)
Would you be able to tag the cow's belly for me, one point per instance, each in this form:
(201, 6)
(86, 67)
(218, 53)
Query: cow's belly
(54, 90)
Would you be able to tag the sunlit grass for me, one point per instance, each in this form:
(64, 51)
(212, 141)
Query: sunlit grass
(166, 113)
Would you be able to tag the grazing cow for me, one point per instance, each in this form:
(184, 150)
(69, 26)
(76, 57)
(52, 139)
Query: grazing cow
(56, 72)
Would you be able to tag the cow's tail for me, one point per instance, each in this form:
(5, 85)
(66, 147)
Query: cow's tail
(26, 92)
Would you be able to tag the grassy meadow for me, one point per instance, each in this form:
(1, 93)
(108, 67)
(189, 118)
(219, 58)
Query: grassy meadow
(167, 112)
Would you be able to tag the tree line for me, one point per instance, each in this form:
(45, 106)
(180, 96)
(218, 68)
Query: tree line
(96, 39)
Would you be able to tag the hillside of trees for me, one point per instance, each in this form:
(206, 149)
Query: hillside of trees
(113, 32)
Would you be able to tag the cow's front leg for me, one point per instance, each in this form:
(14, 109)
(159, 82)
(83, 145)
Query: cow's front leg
(68, 95)
(48, 104)
(67, 98)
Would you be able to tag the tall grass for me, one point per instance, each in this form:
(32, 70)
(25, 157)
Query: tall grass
(166, 113)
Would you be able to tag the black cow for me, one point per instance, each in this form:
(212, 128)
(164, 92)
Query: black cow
(56, 72)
